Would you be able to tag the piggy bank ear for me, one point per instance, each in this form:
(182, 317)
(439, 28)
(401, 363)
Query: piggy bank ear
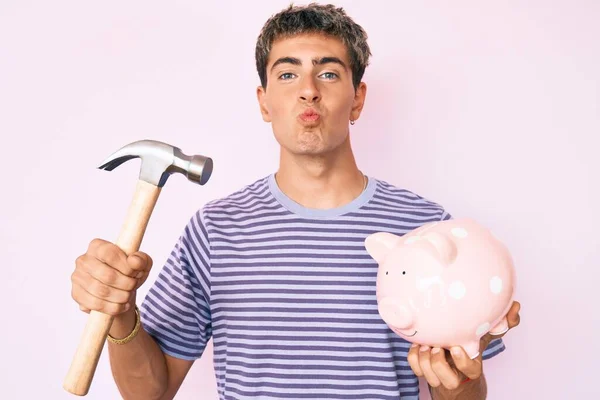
(379, 244)
(445, 247)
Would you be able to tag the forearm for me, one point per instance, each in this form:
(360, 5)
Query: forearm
(472, 390)
(139, 367)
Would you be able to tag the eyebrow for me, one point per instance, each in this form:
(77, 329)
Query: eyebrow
(315, 61)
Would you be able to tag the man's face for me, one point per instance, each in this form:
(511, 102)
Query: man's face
(309, 98)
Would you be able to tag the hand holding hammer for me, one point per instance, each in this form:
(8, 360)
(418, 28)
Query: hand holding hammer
(104, 300)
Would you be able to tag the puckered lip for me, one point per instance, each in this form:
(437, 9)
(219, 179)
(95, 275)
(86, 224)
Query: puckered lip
(309, 112)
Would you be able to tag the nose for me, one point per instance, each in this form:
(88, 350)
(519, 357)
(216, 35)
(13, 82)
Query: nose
(309, 92)
(395, 314)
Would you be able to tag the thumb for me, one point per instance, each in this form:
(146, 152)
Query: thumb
(139, 261)
(472, 368)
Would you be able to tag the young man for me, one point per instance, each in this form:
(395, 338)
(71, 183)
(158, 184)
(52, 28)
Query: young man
(277, 273)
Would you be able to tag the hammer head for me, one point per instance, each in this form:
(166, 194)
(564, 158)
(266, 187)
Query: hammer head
(159, 161)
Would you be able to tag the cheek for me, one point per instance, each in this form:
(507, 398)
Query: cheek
(341, 109)
(280, 103)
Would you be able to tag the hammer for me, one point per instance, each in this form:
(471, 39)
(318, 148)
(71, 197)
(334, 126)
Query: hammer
(159, 161)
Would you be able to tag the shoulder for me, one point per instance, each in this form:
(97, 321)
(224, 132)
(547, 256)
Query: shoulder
(253, 191)
(224, 210)
(236, 202)
(404, 199)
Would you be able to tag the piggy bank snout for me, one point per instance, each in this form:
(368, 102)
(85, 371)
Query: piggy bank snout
(395, 314)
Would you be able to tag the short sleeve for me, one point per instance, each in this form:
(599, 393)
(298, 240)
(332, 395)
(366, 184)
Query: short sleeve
(496, 346)
(445, 216)
(176, 309)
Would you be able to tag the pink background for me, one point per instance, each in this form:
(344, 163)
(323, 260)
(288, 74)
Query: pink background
(491, 110)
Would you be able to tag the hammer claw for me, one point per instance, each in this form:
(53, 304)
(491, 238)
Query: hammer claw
(112, 163)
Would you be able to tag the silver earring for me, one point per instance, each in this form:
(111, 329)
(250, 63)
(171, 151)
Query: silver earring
(352, 122)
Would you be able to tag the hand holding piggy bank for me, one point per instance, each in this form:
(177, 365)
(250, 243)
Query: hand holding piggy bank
(444, 284)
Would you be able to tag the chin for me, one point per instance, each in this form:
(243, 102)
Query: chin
(307, 151)
(308, 147)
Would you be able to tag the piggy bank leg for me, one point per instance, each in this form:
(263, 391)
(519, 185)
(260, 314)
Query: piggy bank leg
(472, 349)
(500, 328)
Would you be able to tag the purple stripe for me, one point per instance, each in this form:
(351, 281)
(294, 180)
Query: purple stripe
(392, 216)
(372, 311)
(378, 201)
(300, 320)
(369, 331)
(290, 247)
(279, 394)
(242, 199)
(231, 274)
(309, 229)
(307, 264)
(403, 201)
(369, 291)
(315, 376)
(388, 367)
(256, 189)
(264, 256)
(341, 349)
(285, 282)
(247, 208)
(281, 237)
(303, 301)
(250, 206)
(371, 339)
(249, 217)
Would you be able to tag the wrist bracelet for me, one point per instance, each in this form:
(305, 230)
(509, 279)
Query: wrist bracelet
(133, 333)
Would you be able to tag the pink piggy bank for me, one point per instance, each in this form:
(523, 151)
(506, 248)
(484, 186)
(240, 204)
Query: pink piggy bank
(444, 284)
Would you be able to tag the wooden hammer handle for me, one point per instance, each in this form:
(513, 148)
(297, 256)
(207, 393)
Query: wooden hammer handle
(83, 366)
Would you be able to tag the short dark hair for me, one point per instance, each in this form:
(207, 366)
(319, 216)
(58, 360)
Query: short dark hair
(314, 18)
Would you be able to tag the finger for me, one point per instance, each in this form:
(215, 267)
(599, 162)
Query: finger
(90, 302)
(513, 317)
(413, 360)
(472, 368)
(111, 255)
(442, 369)
(425, 363)
(105, 273)
(98, 289)
(142, 263)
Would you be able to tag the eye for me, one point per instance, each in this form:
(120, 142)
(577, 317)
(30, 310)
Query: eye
(403, 272)
(330, 75)
(288, 74)
(386, 272)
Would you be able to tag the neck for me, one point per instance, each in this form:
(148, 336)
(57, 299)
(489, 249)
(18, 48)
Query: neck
(322, 181)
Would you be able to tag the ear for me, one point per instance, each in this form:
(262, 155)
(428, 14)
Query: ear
(261, 96)
(379, 244)
(444, 245)
(359, 101)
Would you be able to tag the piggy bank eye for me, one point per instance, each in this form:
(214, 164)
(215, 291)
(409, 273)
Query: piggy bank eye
(403, 272)
(386, 272)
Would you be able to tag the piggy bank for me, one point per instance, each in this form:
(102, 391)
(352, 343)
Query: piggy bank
(444, 284)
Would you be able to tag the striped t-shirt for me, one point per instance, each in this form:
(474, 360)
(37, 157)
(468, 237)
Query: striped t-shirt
(288, 295)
